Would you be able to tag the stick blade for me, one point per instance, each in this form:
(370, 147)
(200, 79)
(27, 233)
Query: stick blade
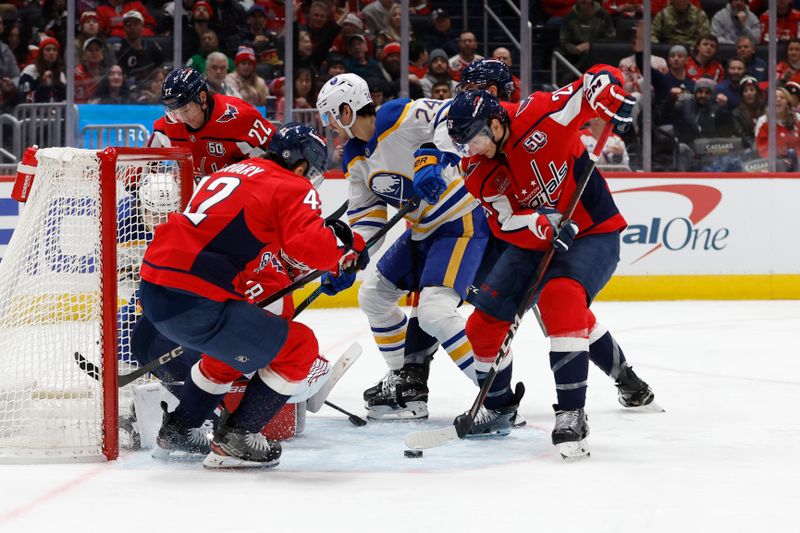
(431, 438)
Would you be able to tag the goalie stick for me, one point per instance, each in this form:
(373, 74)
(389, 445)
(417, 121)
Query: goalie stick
(431, 438)
(402, 212)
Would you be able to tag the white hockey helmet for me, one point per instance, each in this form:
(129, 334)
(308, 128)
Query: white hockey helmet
(159, 195)
(348, 89)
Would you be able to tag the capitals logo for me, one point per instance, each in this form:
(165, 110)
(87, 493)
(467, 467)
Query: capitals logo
(391, 186)
(230, 114)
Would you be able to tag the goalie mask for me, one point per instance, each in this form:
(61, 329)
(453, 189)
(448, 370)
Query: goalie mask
(159, 195)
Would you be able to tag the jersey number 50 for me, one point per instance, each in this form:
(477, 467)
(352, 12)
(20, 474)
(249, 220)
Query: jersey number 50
(222, 187)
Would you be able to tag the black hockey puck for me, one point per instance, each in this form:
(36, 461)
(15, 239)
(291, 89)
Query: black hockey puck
(413, 454)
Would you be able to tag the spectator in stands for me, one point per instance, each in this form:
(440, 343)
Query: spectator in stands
(669, 88)
(136, 56)
(390, 62)
(750, 108)
(703, 63)
(44, 80)
(90, 70)
(376, 15)
(734, 21)
(441, 90)
(209, 42)
(438, 70)
(392, 33)
(258, 33)
(357, 61)
(244, 79)
(755, 66)
(556, 10)
(305, 51)
(380, 90)
(442, 36)
(680, 23)
(614, 151)
(350, 25)
(701, 116)
(729, 91)
(113, 17)
(51, 20)
(417, 61)
(624, 8)
(789, 68)
(17, 37)
(467, 45)
(504, 54)
(193, 32)
(305, 94)
(148, 92)
(217, 67)
(9, 68)
(322, 30)
(90, 27)
(275, 11)
(113, 88)
(333, 66)
(586, 22)
(787, 130)
(794, 90)
(787, 25)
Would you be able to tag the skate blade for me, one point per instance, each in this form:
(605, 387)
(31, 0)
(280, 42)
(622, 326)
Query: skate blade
(574, 451)
(652, 407)
(176, 456)
(489, 434)
(412, 411)
(214, 461)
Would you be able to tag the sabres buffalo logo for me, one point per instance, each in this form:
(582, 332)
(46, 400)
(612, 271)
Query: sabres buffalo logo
(230, 113)
(391, 186)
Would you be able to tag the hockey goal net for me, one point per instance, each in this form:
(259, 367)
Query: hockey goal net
(69, 288)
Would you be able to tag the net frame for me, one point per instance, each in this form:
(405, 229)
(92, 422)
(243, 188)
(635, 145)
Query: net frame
(111, 163)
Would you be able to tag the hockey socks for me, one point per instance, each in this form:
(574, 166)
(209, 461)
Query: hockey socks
(259, 404)
(199, 397)
(500, 393)
(569, 361)
(605, 352)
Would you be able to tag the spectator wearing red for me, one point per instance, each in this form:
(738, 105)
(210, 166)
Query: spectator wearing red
(350, 25)
(467, 45)
(704, 63)
(787, 25)
(624, 8)
(90, 27)
(275, 12)
(112, 18)
(789, 68)
(90, 71)
(44, 79)
(417, 61)
(787, 129)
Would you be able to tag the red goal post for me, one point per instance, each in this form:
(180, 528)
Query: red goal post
(69, 283)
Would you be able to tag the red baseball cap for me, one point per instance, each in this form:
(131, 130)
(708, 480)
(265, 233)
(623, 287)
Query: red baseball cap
(89, 15)
(391, 48)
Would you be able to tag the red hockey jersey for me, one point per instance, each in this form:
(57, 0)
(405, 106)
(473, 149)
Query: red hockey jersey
(234, 131)
(234, 218)
(540, 165)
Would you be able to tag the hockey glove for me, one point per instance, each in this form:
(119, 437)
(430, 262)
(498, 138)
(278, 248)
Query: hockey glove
(355, 256)
(606, 96)
(544, 225)
(428, 182)
(333, 284)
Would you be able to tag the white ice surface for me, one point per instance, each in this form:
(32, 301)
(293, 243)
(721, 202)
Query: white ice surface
(723, 458)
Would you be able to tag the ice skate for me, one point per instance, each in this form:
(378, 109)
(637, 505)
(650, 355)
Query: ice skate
(498, 422)
(404, 396)
(633, 392)
(570, 432)
(236, 448)
(180, 443)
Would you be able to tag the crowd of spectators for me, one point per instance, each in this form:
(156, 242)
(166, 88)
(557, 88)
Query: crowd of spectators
(708, 83)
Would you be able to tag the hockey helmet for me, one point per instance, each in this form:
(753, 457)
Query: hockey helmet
(159, 195)
(182, 86)
(470, 115)
(483, 72)
(348, 89)
(295, 142)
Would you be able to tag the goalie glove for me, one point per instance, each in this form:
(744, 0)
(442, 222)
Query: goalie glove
(544, 226)
(605, 95)
(428, 182)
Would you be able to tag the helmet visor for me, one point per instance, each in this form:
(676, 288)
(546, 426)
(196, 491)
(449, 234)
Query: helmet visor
(315, 176)
(478, 144)
(326, 118)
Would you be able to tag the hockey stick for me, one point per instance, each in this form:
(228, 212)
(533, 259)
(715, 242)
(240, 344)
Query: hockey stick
(403, 211)
(463, 422)
(355, 420)
(127, 379)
